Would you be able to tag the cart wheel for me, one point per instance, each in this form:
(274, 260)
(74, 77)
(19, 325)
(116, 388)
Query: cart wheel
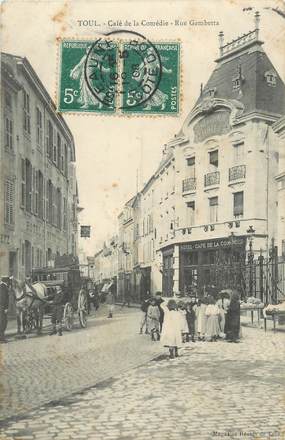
(68, 316)
(82, 308)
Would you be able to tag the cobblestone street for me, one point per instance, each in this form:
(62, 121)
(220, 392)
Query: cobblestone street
(38, 370)
(214, 390)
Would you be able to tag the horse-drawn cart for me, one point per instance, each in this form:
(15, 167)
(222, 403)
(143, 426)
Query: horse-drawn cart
(74, 296)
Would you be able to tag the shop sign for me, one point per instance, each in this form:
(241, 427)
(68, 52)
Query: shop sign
(213, 244)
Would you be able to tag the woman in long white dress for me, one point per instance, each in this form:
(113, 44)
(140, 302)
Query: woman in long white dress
(171, 334)
(202, 320)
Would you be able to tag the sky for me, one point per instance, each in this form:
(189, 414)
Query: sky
(111, 151)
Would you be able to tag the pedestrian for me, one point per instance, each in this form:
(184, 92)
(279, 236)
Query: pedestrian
(159, 302)
(182, 310)
(153, 316)
(212, 325)
(233, 319)
(223, 303)
(202, 319)
(190, 318)
(110, 301)
(127, 299)
(4, 305)
(144, 319)
(171, 335)
(57, 305)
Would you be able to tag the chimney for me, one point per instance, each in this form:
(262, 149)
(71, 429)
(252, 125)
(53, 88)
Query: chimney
(256, 23)
(221, 42)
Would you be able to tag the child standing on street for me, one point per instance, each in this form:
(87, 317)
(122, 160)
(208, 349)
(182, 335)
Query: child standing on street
(153, 315)
(171, 335)
(182, 311)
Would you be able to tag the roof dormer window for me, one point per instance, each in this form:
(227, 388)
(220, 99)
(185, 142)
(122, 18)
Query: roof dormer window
(210, 93)
(236, 83)
(271, 78)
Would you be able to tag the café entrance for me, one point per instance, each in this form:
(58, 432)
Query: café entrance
(212, 265)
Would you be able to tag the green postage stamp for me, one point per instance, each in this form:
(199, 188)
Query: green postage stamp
(119, 76)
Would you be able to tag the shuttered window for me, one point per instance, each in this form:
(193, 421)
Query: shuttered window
(39, 127)
(8, 133)
(9, 202)
(238, 204)
(27, 115)
(23, 183)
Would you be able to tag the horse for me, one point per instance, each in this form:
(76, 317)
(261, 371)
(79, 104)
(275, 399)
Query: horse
(30, 303)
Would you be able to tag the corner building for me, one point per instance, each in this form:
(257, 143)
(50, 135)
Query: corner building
(229, 180)
(38, 196)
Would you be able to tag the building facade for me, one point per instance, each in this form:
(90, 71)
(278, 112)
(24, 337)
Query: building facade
(39, 195)
(216, 201)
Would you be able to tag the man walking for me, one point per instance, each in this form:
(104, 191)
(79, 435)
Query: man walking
(4, 304)
(110, 301)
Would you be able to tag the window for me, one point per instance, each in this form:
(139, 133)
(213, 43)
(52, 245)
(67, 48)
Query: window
(190, 213)
(64, 214)
(9, 194)
(213, 207)
(8, 100)
(54, 147)
(8, 133)
(236, 84)
(50, 140)
(23, 183)
(26, 185)
(238, 204)
(238, 152)
(58, 200)
(40, 181)
(65, 160)
(35, 207)
(39, 127)
(58, 151)
(271, 78)
(27, 115)
(49, 202)
(214, 158)
(191, 166)
(54, 206)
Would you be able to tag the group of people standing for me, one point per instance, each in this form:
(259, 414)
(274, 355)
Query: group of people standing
(203, 319)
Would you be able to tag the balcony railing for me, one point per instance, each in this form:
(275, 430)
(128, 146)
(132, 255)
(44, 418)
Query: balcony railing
(189, 184)
(237, 172)
(212, 178)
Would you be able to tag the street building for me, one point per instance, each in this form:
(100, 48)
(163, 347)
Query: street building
(213, 212)
(39, 194)
(104, 269)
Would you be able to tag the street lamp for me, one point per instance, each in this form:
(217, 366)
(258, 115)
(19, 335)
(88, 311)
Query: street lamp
(250, 258)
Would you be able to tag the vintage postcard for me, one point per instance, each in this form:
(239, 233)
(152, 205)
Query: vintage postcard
(142, 220)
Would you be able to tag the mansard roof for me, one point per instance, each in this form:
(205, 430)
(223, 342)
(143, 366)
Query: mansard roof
(244, 73)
